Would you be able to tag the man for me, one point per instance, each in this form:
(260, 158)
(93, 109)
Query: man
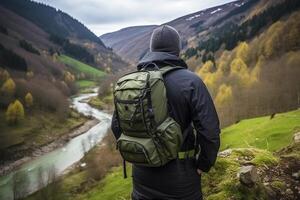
(189, 103)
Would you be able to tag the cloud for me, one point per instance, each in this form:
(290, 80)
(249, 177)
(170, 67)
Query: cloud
(103, 16)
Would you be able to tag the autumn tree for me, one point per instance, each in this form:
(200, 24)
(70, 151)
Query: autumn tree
(239, 70)
(69, 77)
(224, 95)
(4, 75)
(208, 67)
(29, 74)
(15, 112)
(242, 51)
(8, 87)
(28, 100)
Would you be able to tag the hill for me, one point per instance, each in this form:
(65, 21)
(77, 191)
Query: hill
(133, 42)
(51, 20)
(265, 132)
(80, 67)
(66, 34)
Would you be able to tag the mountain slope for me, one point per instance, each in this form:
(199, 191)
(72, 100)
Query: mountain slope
(133, 42)
(66, 33)
(51, 20)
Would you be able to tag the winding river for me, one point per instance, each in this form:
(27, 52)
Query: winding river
(37, 173)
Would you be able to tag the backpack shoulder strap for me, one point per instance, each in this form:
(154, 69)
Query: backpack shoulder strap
(167, 69)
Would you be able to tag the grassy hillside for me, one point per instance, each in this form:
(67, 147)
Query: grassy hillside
(81, 67)
(262, 132)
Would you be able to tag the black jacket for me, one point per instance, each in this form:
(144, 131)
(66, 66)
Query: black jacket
(189, 102)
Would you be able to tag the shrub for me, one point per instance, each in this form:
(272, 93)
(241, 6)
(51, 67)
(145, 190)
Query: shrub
(28, 100)
(46, 95)
(15, 112)
(107, 157)
(8, 87)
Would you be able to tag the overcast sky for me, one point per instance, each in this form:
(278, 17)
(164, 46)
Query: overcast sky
(103, 16)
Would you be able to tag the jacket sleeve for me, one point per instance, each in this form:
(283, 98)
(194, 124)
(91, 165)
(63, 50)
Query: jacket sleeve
(206, 123)
(115, 127)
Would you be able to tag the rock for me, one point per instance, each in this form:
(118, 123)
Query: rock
(248, 175)
(289, 191)
(225, 153)
(297, 137)
(271, 193)
(296, 175)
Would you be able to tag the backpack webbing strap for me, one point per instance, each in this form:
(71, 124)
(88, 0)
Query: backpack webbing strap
(124, 169)
(167, 69)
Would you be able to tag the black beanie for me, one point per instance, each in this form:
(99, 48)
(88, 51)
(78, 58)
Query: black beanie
(165, 39)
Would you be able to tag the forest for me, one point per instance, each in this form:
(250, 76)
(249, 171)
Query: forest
(249, 80)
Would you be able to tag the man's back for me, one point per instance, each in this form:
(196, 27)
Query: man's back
(189, 103)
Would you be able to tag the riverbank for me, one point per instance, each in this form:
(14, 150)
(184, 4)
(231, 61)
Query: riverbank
(85, 174)
(55, 142)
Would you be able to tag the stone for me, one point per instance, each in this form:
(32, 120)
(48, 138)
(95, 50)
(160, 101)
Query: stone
(289, 191)
(296, 175)
(248, 175)
(225, 153)
(297, 137)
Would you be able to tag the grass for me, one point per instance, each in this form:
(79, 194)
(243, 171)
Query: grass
(262, 132)
(86, 84)
(38, 128)
(112, 187)
(81, 67)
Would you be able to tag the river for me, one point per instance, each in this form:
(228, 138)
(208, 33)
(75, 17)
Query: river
(37, 173)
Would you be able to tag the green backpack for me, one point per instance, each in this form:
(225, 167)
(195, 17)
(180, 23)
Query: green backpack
(149, 136)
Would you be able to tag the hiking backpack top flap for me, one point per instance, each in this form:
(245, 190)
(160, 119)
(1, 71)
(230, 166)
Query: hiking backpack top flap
(150, 137)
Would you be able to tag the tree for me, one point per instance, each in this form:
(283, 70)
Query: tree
(28, 100)
(242, 51)
(8, 87)
(29, 74)
(68, 77)
(239, 70)
(207, 68)
(15, 112)
(4, 75)
(224, 95)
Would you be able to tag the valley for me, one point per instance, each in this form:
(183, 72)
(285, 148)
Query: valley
(56, 99)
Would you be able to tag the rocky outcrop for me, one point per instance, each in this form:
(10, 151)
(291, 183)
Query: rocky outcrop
(297, 137)
(248, 175)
